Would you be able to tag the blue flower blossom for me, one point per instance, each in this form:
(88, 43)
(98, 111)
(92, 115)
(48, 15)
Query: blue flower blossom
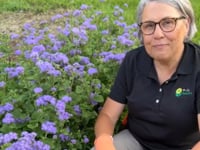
(49, 127)
(56, 17)
(18, 52)
(92, 71)
(85, 139)
(8, 137)
(38, 90)
(8, 119)
(77, 109)
(2, 84)
(14, 36)
(6, 108)
(14, 72)
(45, 100)
(27, 141)
(66, 99)
(84, 6)
(77, 13)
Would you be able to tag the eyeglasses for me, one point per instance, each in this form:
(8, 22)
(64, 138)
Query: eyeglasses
(166, 25)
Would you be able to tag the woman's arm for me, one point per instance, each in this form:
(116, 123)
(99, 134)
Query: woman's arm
(105, 124)
(108, 117)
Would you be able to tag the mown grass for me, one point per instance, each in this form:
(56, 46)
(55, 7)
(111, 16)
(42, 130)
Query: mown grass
(38, 6)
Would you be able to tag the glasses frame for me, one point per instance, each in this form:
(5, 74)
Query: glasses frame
(159, 23)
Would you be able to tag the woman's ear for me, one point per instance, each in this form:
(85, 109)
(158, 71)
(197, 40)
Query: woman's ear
(187, 23)
(187, 27)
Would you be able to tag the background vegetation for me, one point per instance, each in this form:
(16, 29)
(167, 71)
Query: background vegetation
(53, 81)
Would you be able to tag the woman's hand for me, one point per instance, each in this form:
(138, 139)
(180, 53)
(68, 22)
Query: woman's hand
(104, 142)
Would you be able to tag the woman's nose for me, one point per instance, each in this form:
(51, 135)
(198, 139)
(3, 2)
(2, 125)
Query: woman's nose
(158, 31)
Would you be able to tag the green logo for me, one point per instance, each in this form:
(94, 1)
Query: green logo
(182, 92)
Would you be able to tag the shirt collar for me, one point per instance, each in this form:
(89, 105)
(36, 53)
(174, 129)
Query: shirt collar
(185, 66)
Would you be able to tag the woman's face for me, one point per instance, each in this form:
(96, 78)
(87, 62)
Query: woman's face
(164, 46)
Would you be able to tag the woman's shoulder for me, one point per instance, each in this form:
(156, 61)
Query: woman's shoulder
(193, 45)
(136, 52)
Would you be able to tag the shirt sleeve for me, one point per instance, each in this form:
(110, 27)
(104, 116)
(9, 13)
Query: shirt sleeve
(123, 80)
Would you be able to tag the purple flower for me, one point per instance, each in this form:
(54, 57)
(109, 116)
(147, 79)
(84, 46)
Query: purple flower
(98, 12)
(92, 71)
(53, 89)
(74, 52)
(38, 90)
(6, 108)
(2, 84)
(64, 116)
(75, 69)
(81, 33)
(60, 106)
(56, 17)
(49, 127)
(40, 146)
(18, 52)
(8, 137)
(77, 13)
(66, 99)
(14, 72)
(84, 6)
(105, 19)
(87, 24)
(38, 48)
(27, 142)
(73, 141)
(120, 24)
(113, 46)
(59, 58)
(125, 41)
(85, 139)
(46, 99)
(105, 32)
(1, 54)
(77, 109)
(64, 138)
(8, 119)
(14, 36)
(84, 60)
(47, 67)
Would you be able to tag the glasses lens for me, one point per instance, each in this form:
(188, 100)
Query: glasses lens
(148, 27)
(168, 24)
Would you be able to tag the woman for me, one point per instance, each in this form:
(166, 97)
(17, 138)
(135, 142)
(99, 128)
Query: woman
(159, 82)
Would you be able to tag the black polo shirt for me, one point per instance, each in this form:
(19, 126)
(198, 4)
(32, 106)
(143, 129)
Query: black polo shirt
(161, 117)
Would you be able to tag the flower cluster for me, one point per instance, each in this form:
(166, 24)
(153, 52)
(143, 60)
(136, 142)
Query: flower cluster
(55, 81)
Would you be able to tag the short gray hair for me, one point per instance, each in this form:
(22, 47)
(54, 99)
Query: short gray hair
(183, 6)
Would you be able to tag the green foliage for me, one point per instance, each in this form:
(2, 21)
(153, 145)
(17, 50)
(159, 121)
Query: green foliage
(84, 89)
(60, 78)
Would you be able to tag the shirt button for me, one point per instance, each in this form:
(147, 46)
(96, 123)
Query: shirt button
(166, 82)
(157, 101)
(160, 90)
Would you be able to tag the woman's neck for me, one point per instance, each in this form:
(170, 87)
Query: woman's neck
(165, 69)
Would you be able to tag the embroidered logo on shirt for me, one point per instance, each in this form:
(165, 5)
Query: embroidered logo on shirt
(182, 92)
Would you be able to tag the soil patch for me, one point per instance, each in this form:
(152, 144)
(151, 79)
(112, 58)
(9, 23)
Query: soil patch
(14, 21)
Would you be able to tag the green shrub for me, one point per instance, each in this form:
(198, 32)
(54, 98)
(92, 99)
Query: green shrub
(56, 75)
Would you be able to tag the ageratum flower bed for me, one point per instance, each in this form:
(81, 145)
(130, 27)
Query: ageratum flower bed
(55, 75)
